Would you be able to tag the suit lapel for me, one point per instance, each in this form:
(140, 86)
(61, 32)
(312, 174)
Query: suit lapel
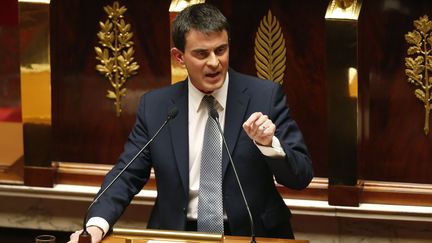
(237, 102)
(179, 135)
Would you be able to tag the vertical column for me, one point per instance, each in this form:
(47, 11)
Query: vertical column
(341, 27)
(36, 91)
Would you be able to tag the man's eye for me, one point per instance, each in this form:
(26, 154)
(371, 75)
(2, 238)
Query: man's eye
(202, 54)
(220, 51)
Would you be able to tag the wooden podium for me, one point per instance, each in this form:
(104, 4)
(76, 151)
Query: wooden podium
(165, 236)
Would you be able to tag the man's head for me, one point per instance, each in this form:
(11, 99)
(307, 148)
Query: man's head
(201, 39)
(201, 17)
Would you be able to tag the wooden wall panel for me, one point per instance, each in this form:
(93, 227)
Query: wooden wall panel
(394, 154)
(10, 102)
(302, 23)
(394, 146)
(11, 135)
(9, 13)
(85, 126)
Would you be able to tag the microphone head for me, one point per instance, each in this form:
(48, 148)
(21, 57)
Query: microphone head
(214, 114)
(172, 113)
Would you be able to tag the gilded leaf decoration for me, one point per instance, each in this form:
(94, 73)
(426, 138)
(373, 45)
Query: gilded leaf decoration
(116, 53)
(419, 64)
(270, 50)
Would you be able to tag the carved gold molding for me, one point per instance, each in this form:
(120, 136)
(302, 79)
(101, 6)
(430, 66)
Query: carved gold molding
(116, 54)
(270, 50)
(344, 9)
(179, 5)
(419, 64)
(344, 4)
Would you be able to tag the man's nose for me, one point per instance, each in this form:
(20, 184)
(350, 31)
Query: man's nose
(213, 60)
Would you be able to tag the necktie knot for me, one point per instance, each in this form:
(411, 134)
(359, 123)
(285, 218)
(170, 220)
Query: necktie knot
(210, 102)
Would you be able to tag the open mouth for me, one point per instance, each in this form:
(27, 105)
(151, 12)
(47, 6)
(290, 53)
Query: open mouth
(212, 75)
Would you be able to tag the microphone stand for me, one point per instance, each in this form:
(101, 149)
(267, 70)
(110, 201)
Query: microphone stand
(85, 237)
(215, 116)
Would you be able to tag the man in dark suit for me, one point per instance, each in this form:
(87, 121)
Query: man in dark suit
(263, 139)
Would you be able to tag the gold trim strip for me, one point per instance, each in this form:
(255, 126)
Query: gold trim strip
(35, 1)
(165, 234)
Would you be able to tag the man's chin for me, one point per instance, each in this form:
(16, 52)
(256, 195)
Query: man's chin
(212, 87)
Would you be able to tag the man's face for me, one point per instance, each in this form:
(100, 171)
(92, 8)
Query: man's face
(206, 57)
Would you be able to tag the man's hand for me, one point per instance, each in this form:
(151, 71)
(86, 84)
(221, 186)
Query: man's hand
(94, 231)
(260, 129)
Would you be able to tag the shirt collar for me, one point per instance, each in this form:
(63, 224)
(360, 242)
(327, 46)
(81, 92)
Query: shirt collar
(220, 95)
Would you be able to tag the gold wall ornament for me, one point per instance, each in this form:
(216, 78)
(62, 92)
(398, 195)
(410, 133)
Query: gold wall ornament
(420, 64)
(116, 54)
(344, 4)
(179, 5)
(344, 9)
(270, 50)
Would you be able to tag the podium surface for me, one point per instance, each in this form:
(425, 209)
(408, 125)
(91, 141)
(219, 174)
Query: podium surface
(166, 236)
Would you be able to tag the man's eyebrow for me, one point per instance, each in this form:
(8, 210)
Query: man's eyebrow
(199, 50)
(205, 49)
(223, 45)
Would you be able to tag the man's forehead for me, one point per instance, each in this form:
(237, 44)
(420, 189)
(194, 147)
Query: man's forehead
(209, 40)
(204, 32)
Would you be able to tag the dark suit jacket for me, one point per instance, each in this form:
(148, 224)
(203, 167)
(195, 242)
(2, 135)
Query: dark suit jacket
(168, 155)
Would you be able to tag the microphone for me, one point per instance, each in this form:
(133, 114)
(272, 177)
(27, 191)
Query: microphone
(85, 237)
(214, 114)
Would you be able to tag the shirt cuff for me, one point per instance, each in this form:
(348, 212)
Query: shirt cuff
(275, 151)
(99, 222)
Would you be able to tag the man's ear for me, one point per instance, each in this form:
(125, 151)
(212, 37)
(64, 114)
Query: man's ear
(178, 55)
